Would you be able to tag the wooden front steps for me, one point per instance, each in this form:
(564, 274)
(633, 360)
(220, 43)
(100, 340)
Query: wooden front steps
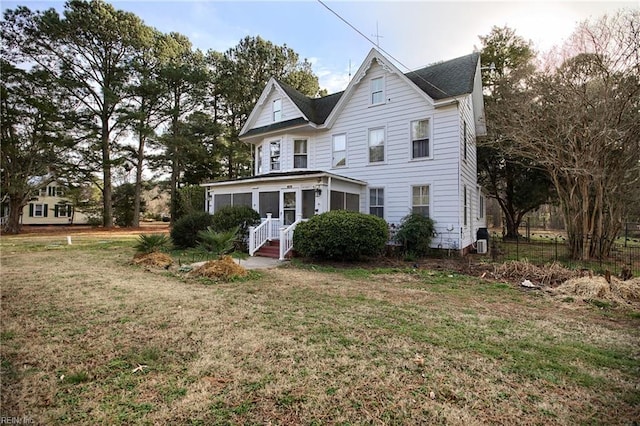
(270, 249)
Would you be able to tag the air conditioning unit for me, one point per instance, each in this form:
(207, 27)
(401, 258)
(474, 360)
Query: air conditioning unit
(481, 246)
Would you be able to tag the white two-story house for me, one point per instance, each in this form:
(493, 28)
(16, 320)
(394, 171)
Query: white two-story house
(392, 143)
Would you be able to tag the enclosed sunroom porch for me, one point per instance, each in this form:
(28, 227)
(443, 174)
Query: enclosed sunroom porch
(285, 199)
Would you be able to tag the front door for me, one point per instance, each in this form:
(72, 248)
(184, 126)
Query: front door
(290, 204)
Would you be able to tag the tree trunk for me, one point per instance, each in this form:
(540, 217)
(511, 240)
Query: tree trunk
(107, 211)
(13, 225)
(138, 187)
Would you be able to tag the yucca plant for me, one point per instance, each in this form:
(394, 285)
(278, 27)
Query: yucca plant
(150, 243)
(217, 243)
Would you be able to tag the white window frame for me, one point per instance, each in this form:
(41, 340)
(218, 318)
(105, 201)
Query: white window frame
(377, 130)
(466, 207)
(276, 110)
(259, 160)
(304, 154)
(35, 210)
(272, 157)
(427, 205)
(65, 207)
(429, 121)
(334, 151)
(377, 91)
(464, 142)
(42, 192)
(377, 205)
(481, 202)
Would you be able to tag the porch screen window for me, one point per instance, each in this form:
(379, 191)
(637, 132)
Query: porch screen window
(344, 201)
(420, 139)
(420, 200)
(376, 145)
(376, 202)
(481, 206)
(277, 110)
(274, 155)
(241, 199)
(300, 154)
(220, 201)
(377, 91)
(339, 151)
(308, 203)
(269, 203)
(259, 161)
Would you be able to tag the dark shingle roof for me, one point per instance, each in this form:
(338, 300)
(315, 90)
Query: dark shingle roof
(447, 79)
(442, 80)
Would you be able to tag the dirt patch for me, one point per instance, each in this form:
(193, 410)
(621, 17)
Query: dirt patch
(223, 269)
(623, 292)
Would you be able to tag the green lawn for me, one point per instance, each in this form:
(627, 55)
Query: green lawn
(88, 338)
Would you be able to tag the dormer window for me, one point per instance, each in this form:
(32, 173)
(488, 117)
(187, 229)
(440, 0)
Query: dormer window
(259, 161)
(277, 110)
(274, 156)
(377, 91)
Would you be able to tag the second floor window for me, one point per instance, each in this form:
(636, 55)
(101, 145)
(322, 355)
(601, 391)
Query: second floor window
(420, 139)
(259, 161)
(376, 145)
(274, 155)
(300, 154)
(377, 91)
(339, 151)
(56, 191)
(277, 110)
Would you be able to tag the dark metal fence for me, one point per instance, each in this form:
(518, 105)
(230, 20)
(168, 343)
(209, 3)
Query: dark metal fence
(545, 248)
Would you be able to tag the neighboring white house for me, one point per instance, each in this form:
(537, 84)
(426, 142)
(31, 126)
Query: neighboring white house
(390, 144)
(50, 207)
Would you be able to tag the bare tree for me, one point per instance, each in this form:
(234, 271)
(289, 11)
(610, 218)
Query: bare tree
(581, 122)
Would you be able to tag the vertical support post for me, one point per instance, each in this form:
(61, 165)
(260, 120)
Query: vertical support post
(252, 240)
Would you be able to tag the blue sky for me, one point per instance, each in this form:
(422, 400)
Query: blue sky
(416, 33)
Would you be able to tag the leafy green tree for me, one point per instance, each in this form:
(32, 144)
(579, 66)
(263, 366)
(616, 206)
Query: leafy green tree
(89, 48)
(518, 184)
(36, 143)
(123, 202)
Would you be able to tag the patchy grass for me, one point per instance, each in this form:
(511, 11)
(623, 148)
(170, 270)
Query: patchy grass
(88, 338)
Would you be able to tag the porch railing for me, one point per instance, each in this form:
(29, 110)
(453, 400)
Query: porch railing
(259, 235)
(286, 238)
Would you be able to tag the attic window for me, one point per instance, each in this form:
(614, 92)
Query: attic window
(277, 110)
(377, 91)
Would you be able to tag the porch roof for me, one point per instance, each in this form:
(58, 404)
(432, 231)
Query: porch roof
(284, 176)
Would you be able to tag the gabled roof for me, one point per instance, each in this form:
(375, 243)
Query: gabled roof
(436, 82)
(447, 79)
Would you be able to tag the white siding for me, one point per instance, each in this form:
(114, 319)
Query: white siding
(265, 116)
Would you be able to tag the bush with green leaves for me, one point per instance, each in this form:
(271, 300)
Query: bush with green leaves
(150, 243)
(184, 232)
(415, 234)
(341, 234)
(217, 243)
(230, 217)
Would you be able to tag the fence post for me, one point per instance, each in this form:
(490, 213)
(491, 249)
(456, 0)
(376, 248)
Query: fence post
(626, 233)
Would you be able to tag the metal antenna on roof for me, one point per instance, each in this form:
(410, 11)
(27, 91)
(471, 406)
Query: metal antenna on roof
(377, 36)
(349, 70)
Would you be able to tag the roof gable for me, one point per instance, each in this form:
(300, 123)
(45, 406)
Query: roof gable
(436, 82)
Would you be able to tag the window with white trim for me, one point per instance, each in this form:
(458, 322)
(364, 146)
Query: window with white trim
(376, 145)
(259, 161)
(38, 210)
(420, 200)
(466, 206)
(299, 153)
(376, 202)
(56, 191)
(274, 155)
(464, 137)
(62, 210)
(339, 150)
(420, 144)
(277, 109)
(481, 206)
(377, 91)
